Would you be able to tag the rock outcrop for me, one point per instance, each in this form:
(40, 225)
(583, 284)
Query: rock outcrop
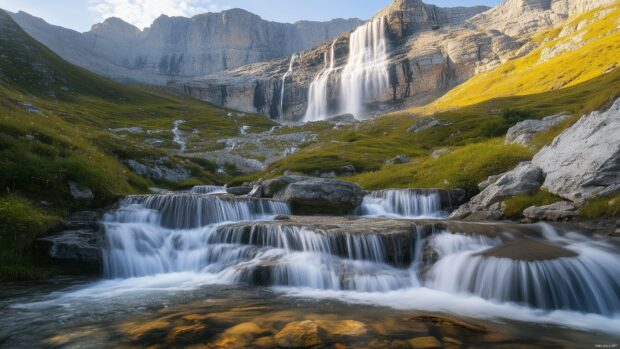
(559, 211)
(524, 131)
(526, 178)
(179, 47)
(584, 161)
(321, 195)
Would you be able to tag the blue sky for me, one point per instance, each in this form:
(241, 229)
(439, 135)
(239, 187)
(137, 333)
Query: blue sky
(82, 14)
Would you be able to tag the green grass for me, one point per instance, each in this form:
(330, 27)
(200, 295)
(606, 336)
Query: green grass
(601, 207)
(516, 204)
(462, 168)
(21, 223)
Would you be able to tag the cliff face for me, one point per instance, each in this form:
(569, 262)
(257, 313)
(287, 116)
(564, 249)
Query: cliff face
(179, 47)
(430, 50)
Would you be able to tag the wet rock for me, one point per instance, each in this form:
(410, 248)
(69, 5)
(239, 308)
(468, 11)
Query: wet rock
(79, 193)
(399, 344)
(524, 131)
(299, 334)
(240, 190)
(584, 161)
(238, 336)
(320, 195)
(343, 328)
(561, 210)
(265, 342)
(427, 123)
(448, 322)
(146, 333)
(272, 186)
(186, 334)
(528, 250)
(526, 178)
(83, 246)
(424, 342)
(399, 159)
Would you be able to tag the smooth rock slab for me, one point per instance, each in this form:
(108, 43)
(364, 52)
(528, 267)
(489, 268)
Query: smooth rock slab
(524, 131)
(584, 161)
(320, 195)
(558, 211)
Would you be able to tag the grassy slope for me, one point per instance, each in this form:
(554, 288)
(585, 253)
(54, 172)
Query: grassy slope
(54, 128)
(598, 29)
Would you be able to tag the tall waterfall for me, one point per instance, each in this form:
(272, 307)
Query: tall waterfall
(365, 76)
(402, 203)
(288, 72)
(188, 233)
(318, 92)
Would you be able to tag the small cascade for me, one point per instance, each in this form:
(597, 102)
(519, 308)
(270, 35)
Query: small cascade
(207, 189)
(588, 282)
(187, 211)
(402, 203)
(288, 72)
(365, 76)
(318, 92)
(178, 135)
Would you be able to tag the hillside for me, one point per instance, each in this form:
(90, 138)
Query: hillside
(62, 126)
(584, 48)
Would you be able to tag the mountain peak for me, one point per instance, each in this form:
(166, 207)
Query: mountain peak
(114, 26)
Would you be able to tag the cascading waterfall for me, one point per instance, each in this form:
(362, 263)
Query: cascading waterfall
(207, 189)
(150, 235)
(402, 203)
(318, 92)
(365, 76)
(178, 135)
(288, 72)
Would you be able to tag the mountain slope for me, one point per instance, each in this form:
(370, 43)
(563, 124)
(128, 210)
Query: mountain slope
(64, 130)
(178, 47)
(586, 47)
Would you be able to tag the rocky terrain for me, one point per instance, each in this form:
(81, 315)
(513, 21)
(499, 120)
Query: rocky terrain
(179, 47)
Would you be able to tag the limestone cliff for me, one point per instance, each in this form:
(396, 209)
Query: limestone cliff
(179, 47)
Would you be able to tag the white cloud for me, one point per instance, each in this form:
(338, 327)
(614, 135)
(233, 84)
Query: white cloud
(141, 13)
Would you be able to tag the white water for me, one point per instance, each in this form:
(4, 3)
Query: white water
(318, 92)
(408, 203)
(288, 72)
(365, 76)
(178, 135)
(177, 242)
(208, 189)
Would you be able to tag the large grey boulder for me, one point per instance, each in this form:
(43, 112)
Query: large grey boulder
(82, 247)
(272, 186)
(558, 211)
(524, 131)
(526, 178)
(584, 161)
(321, 195)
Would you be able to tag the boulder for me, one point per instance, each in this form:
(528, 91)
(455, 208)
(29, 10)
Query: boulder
(347, 170)
(299, 334)
(240, 190)
(484, 184)
(559, 211)
(80, 193)
(321, 195)
(427, 123)
(436, 154)
(399, 159)
(526, 178)
(524, 131)
(425, 342)
(584, 161)
(83, 246)
(272, 186)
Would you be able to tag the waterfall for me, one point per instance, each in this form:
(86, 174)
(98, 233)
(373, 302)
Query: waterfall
(318, 92)
(184, 232)
(589, 282)
(207, 189)
(402, 203)
(178, 135)
(288, 72)
(365, 76)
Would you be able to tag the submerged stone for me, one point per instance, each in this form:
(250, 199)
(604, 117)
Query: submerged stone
(299, 334)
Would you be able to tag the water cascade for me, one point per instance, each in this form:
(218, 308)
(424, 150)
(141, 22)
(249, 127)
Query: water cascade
(365, 76)
(178, 135)
(318, 92)
(288, 72)
(183, 232)
(402, 203)
(208, 189)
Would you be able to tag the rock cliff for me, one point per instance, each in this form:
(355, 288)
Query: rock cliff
(179, 47)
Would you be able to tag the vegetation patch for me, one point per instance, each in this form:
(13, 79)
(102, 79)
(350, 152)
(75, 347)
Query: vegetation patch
(601, 207)
(516, 204)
